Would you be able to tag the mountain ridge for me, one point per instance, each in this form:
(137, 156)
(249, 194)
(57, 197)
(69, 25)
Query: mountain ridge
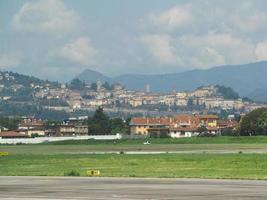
(245, 79)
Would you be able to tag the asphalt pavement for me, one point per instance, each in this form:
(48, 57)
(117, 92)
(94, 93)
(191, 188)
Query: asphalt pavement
(39, 188)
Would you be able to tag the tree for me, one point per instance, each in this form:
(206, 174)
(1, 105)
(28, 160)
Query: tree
(227, 92)
(254, 123)
(93, 86)
(9, 123)
(190, 104)
(99, 124)
(118, 126)
(229, 132)
(77, 84)
(202, 130)
(107, 86)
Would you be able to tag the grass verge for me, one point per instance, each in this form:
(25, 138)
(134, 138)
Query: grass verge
(226, 166)
(192, 140)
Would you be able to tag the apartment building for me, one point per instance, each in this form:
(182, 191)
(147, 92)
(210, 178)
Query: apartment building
(178, 126)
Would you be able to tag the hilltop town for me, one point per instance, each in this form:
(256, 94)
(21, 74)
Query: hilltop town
(114, 98)
(28, 95)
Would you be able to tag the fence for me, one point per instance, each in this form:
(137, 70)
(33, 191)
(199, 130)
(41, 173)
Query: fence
(54, 139)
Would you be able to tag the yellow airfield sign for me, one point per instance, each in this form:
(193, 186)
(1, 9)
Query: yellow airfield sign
(93, 172)
(3, 153)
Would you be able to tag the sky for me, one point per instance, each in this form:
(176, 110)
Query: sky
(57, 40)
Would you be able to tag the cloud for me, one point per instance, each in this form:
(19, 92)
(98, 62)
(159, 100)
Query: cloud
(214, 49)
(172, 36)
(172, 18)
(261, 50)
(160, 47)
(199, 51)
(251, 23)
(206, 34)
(239, 17)
(45, 16)
(79, 50)
(249, 17)
(7, 61)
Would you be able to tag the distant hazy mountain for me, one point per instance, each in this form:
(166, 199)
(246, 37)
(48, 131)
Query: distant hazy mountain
(245, 79)
(90, 76)
(259, 95)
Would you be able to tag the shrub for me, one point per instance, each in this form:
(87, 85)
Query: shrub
(72, 173)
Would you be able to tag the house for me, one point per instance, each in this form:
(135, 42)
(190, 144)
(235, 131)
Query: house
(184, 132)
(227, 124)
(73, 126)
(208, 120)
(33, 132)
(3, 128)
(141, 126)
(31, 126)
(178, 126)
(12, 134)
(31, 123)
(81, 130)
(67, 130)
(184, 126)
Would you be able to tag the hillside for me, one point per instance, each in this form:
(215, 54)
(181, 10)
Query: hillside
(11, 78)
(20, 86)
(259, 95)
(244, 79)
(90, 76)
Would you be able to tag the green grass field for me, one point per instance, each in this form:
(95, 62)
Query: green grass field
(197, 157)
(228, 166)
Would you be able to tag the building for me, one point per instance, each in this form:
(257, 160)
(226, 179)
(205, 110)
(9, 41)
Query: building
(31, 126)
(31, 123)
(33, 132)
(185, 126)
(66, 130)
(204, 91)
(178, 126)
(228, 124)
(147, 88)
(141, 125)
(184, 132)
(12, 134)
(73, 126)
(208, 120)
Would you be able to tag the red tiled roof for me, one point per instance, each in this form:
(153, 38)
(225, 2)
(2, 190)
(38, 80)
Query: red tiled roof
(227, 123)
(142, 120)
(208, 117)
(32, 124)
(183, 122)
(186, 119)
(11, 134)
(166, 120)
(191, 129)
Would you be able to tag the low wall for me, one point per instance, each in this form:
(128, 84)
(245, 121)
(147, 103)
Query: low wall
(54, 139)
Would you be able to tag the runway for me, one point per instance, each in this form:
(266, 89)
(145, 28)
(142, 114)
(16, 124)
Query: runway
(39, 188)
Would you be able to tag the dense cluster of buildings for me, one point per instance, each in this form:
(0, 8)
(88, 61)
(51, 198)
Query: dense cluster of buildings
(19, 89)
(88, 98)
(31, 127)
(181, 125)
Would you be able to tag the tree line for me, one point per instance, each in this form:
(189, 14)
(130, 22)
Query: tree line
(254, 123)
(101, 124)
